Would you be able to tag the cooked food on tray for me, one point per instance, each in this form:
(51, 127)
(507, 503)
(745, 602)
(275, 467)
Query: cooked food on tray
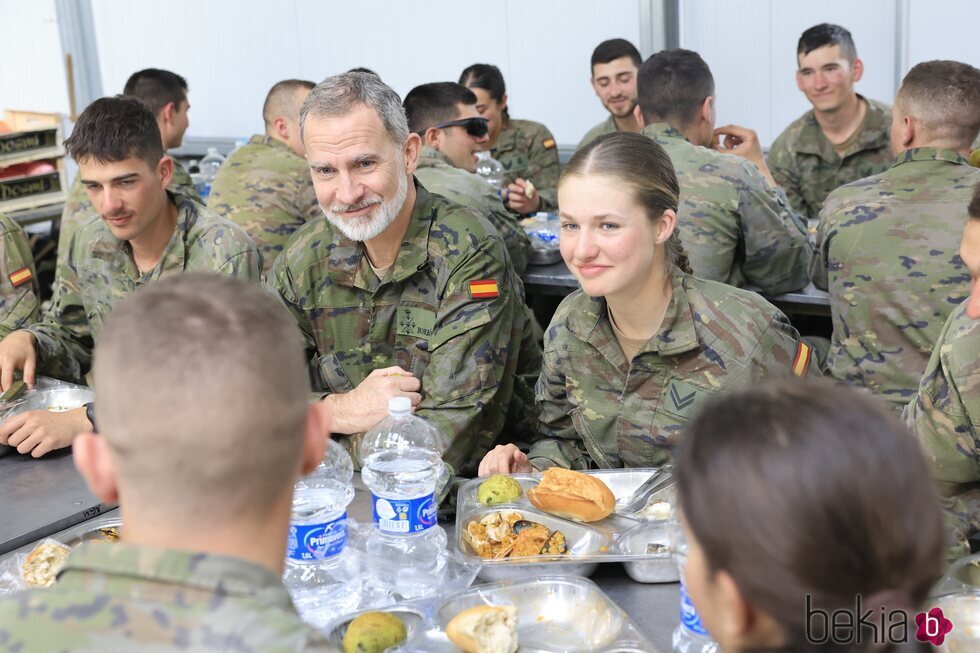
(43, 563)
(508, 534)
(374, 632)
(572, 495)
(485, 629)
(498, 489)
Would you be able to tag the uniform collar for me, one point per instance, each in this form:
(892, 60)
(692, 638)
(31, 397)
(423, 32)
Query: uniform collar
(265, 139)
(930, 154)
(430, 156)
(874, 134)
(506, 139)
(222, 575)
(347, 264)
(663, 131)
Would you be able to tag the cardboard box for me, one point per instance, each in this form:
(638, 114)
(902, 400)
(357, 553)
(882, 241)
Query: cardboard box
(33, 191)
(35, 136)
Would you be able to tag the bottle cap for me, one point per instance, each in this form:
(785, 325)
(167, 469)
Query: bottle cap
(399, 405)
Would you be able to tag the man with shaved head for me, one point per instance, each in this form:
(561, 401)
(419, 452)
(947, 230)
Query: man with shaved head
(265, 186)
(887, 246)
(203, 475)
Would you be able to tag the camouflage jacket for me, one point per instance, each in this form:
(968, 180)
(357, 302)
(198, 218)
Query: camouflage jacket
(441, 177)
(266, 189)
(450, 311)
(888, 253)
(736, 228)
(100, 271)
(598, 409)
(20, 302)
(808, 167)
(122, 597)
(607, 126)
(945, 415)
(78, 208)
(528, 150)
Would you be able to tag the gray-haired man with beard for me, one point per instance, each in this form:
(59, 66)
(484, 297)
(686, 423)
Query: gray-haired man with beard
(400, 292)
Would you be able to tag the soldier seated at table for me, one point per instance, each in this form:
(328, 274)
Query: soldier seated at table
(203, 474)
(764, 476)
(400, 292)
(945, 413)
(887, 244)
(20, 296)
(526, 149)
(736, 224)
(264, 186)
(165, 93)
(614, 65)
(631, 357)
(142, 233)
(444, 116)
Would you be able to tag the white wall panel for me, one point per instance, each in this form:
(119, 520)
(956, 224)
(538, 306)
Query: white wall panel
(231, 52)
(943, 29)
(32, 74)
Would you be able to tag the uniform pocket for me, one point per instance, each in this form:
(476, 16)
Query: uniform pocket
(584, 429)
(332, 375)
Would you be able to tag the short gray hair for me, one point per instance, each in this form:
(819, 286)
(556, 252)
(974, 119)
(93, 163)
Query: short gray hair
(337, 95)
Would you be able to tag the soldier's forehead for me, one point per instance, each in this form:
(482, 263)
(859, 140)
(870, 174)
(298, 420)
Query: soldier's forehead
(92, 169)
(358, 129)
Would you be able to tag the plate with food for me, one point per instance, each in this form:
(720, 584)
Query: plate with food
(562, 521)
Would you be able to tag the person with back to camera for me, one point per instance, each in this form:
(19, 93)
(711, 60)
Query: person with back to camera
(799, 499)
(631, 357)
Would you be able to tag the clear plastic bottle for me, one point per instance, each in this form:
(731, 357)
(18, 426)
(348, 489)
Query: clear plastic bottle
(690, 635)
(490, 169)
(322, 573)
(402, 466)
(209, 169)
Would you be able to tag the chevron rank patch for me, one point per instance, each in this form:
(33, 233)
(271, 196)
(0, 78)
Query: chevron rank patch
(548, 144)
(484, 289)
(21, 276)
(682, 399)
(802, 360)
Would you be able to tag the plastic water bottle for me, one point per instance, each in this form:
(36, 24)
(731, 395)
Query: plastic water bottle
(322, 573)
(209, 169)
(690, 635)
(402, 466)
(490, 169)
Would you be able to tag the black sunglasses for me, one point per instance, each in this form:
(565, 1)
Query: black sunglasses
(475, 127)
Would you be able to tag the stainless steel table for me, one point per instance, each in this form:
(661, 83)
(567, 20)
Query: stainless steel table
(556, 279)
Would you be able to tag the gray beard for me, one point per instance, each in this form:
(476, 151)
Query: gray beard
(373, 224)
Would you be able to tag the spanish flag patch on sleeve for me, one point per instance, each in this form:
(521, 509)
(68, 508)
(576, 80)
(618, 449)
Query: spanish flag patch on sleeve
(548, 144)
(802, 360)
(484, 289)
(21, 276)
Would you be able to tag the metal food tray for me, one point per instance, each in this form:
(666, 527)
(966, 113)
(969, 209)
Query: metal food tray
(90, 531)
(617, 538)
(65, 397)
(554, 613)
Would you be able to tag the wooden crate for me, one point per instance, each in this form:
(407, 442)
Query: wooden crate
(31, 192)
(35, 136)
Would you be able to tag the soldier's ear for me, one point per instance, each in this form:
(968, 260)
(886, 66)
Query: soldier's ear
(165, 168)
(638, 115)
(316, 433)
(282, 128)
(857, 70)
(412, 148)
(94, 462)
(665, 226)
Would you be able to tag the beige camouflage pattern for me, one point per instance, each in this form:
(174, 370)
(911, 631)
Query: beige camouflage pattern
(19, 305)
(266, 189)
(100, 271)
(736, 228)
(945, 415)
(808, 167)
(476, 358)
(122, 597)
(78, 208)
(598, 409)
(440, 176)
(528, 150)
(888, 253)
(607, 126)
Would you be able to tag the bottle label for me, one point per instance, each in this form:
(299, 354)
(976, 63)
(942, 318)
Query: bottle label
(317, 541)
(405, 516)
(689, 615)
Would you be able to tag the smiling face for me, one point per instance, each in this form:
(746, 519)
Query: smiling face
(827, 78)
(360, 176)
(615, 85)
(607, 239)
(457, 144)
(970, 253)
(490, 109)
(129, 194)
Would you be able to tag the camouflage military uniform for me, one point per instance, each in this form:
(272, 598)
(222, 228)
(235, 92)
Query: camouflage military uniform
(945, 415)
(122, 597)
(19, 293)
(100, 271)
(736, 228)
(808, 167)
(607, 126)
(266, 189)
(474, 355)
(440, 176)
(527, 150)
(599, 410)
(78, 208)
(888, 252)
